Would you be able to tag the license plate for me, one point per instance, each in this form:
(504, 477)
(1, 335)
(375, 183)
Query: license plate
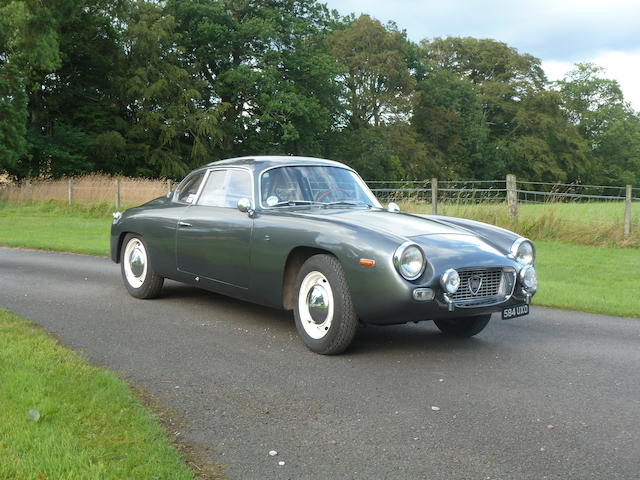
(515, 311)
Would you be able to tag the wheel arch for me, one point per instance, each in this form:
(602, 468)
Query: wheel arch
(120, 242)
(296, 258)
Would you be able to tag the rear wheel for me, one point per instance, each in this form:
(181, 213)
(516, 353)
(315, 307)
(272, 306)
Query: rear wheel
(323, 311)
(136, 269)
(463, 327)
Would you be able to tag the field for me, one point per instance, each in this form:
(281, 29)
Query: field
(586, 223)
(64, 419)
(599, 279)
(51, 226)
(85, 191)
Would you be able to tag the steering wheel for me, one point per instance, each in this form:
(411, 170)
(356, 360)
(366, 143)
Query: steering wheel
(329, 191)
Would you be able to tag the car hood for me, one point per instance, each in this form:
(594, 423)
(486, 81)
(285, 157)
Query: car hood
(397, 224)
(442, 241)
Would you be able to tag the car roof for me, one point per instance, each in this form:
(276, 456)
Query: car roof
(263, 162)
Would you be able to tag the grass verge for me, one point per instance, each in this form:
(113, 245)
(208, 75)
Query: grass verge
(587, 223)
(65, 419)
(589, 279)
(594, 279)
(51, 226)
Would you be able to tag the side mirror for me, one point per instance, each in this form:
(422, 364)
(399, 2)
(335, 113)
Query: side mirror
(393, 207)
(245, 206)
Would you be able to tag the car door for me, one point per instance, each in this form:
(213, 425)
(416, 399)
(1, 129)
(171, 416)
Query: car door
(213, 239)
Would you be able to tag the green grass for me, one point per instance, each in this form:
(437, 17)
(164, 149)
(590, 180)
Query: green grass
(589, 279)
(50, 226)
(589, 223)
(594, 279)
(66, 420)
(585, 212)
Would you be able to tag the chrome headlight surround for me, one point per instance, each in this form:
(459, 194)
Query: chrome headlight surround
(116, 217)
(523, 251)
(402, 262)
(528, 279)
(450, 281)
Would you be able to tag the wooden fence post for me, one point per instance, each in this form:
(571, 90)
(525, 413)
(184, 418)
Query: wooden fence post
(29, 190)
(434, 196)
(117, 193)
(627, 212)
(512, 196)
(70, 191)
(169, 185)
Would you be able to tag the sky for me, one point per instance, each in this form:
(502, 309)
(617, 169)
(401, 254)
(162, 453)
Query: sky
(560, 33)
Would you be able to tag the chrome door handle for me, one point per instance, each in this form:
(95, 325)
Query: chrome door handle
(184, 224)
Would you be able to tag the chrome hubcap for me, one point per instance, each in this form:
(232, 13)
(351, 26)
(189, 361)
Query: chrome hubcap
(318, 303)
(315, 305)
(135, 263)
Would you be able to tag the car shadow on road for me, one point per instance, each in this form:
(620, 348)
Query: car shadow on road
(245, 311)
(421, 337)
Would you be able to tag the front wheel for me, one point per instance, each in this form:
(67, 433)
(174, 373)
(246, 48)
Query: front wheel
(463, 327)
(325, 317)
(136, 270)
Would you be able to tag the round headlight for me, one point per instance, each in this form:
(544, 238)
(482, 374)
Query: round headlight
(409, 260)
(523, 251)
(528, 278)
(450, 281)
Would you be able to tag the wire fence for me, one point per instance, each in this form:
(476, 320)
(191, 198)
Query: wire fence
(86, 190)
(597, 204)
(476, 191)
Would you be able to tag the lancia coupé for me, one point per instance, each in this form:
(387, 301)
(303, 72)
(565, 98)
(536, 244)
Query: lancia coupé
(307, 235)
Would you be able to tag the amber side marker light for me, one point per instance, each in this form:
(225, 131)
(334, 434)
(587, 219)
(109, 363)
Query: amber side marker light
(367, 262)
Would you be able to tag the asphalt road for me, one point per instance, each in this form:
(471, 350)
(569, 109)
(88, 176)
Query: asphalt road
(553, 395)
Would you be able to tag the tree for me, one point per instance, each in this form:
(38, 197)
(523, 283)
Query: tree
(512, 125)
(502, 76)
(376, 81)
(28, 47)
(591, 100)
(80, 100)
(448, 116)
(618, 154)
(547, 146)
(170, 129)
(369, 151)
(266, 61)
(596, 106)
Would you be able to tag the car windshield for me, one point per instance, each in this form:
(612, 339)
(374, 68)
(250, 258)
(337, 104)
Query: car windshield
(314, 185)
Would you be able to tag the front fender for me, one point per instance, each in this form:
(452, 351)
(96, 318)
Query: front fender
(498, 237)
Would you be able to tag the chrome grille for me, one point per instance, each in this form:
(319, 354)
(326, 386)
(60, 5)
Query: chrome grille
(489, 291)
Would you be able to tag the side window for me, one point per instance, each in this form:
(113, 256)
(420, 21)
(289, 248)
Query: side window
(188, 190)
(225, 187)
(213, 192)
(238, 186)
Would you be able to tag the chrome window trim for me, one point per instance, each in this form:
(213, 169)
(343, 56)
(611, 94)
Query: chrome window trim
(343, 167)
(176, 192)
(206, 177)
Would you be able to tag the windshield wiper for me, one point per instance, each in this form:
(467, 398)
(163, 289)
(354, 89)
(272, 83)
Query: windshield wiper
(348, 203)
(291, 203)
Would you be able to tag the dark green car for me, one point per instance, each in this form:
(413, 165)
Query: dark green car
(307, 235)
